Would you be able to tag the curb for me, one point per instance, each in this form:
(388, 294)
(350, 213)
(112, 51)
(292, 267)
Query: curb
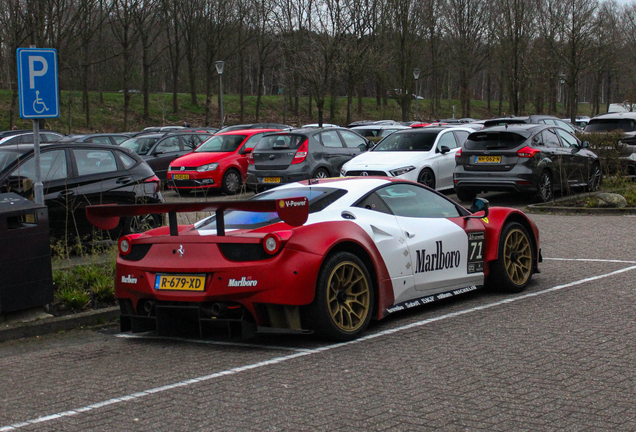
(554, 208)
(55, 324)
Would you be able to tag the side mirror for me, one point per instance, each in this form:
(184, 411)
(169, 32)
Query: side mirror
(364, 147)
(444, 149)
(479, 205)
(246, 151)
(585, 144)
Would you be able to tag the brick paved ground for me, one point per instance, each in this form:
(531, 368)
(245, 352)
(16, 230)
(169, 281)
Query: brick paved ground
(561, 360)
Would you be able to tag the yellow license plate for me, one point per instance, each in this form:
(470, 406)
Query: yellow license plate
(271, 179)
(181, 176)
(488, 159)
(180, 282)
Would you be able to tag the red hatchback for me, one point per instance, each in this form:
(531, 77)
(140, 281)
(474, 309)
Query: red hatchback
(221, 161)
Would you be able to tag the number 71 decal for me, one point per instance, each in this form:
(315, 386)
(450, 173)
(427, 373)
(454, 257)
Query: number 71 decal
(476, 252)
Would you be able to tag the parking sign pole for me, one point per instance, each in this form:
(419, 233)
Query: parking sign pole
(38, 188)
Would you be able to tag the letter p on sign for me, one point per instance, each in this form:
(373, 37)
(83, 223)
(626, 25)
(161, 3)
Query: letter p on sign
(36, 73)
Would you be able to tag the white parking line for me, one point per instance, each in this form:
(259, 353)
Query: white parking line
(282, 359)
(591, 260)
(210, 342)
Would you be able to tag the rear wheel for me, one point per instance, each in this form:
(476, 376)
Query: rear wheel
(595, 178)
(231, 182)
(427, 178)
(466, 195)
(513, 269)
(545, 192)
(342, 307)
(321, 173)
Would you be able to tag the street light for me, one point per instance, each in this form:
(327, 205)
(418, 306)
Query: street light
(416, 75)
(562, 81)
(219, 68)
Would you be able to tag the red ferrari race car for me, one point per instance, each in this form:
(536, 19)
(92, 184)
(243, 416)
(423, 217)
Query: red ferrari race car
(324, 255)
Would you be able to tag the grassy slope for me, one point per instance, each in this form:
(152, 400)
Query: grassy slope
(108, 117)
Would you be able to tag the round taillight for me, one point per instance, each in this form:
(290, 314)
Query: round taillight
(124, 245)
(271, 244)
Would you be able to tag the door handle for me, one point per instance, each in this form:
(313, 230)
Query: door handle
(66, 194)
(123, 180)
(409, 235)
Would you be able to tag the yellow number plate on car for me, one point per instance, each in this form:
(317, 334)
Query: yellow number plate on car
(180, 282)
(271, 179)
(181, 176)
(488, 159)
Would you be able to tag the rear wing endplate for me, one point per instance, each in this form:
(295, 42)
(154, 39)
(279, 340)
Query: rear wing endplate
(292, 211)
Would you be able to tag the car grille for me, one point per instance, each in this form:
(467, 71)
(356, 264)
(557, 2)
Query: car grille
(370, 173)
(178, 168)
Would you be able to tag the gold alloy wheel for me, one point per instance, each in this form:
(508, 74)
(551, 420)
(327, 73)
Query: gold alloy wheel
(517, 256)
(348, 296)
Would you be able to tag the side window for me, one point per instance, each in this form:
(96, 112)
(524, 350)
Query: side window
(550, 138)
(168, 145)
(567, 139)
(99, 140)
(52, 167)
(373, 202)
(461, 136)
(94, 161)
(14, 140)
(352, 140)
(252, 141)
(119, 139)
(564, 125)
(386, 132)
(417, 202)
(447, 139)
(28, 138)
(47, 137)
(330, 139)
(190, 142)
(126, 160)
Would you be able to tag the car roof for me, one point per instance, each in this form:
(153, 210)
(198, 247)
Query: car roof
(615, 115)
(523, 129)
(249, 132)
(380, 126)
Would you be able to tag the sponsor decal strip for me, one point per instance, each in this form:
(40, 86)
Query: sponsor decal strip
(277, 360)
(431, 298)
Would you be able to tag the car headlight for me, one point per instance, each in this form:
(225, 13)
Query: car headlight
(208, 167)
(399, 171)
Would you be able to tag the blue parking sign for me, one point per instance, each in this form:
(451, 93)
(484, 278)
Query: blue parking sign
(37, 83)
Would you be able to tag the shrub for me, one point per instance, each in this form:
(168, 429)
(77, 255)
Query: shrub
(72, 297)
(608, 148)
(103, 290)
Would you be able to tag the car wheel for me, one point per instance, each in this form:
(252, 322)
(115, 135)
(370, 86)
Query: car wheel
(512, 270)
(427, 178)
(466, 195)
(342, 307)
(231, 182)
(139, 224)
(321, 173)
(545, 192)
(595, 179)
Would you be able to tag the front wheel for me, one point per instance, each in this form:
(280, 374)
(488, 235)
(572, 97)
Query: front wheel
(427, 178)
(512, 270)
(342, 307)
(231, 182)
(595, 178)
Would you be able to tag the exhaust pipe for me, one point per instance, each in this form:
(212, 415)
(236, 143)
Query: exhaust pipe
(149, 306)
(219, 309)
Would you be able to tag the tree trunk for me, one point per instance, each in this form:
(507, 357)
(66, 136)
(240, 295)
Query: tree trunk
(241, 87)
(145, 72)
(360, 96)
(320, 103)
(192, 75)
(349, 102)
(259, 92)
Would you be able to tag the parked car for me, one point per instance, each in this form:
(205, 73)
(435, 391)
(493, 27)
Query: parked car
(158, 150)
(321, 256)
(626, 122)
(276, 126)
(536, 159)
(372, 122)
(300, 154)
(579, 121)
(220, 162)
(533, 119)
(376, 132)
(316, 125)
(98, 138)
(75, 175)
(425, 155)
(27, 138)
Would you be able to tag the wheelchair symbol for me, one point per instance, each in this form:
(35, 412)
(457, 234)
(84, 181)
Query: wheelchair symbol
(38, 102)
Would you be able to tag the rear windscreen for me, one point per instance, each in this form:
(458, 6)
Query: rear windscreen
(280, 142)
(493, 140)
(608, 125)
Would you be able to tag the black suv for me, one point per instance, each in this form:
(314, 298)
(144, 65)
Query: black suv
(300, 154)
(534, 159)
(75, 175)
(625, 122)
(533, 119)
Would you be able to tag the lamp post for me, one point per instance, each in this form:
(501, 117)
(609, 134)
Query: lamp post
(416, 75)
(219, 68)
(562, 81)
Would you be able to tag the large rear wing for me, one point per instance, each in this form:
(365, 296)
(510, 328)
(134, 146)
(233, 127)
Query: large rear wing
(292, 211)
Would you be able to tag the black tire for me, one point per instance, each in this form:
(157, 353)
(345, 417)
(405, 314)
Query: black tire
(321, 173)
(139, 224)
(595, 178)
(545, 189)
(334, 314)
(427, 178)
(231, 182)
(512, 271)
(466, 195)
